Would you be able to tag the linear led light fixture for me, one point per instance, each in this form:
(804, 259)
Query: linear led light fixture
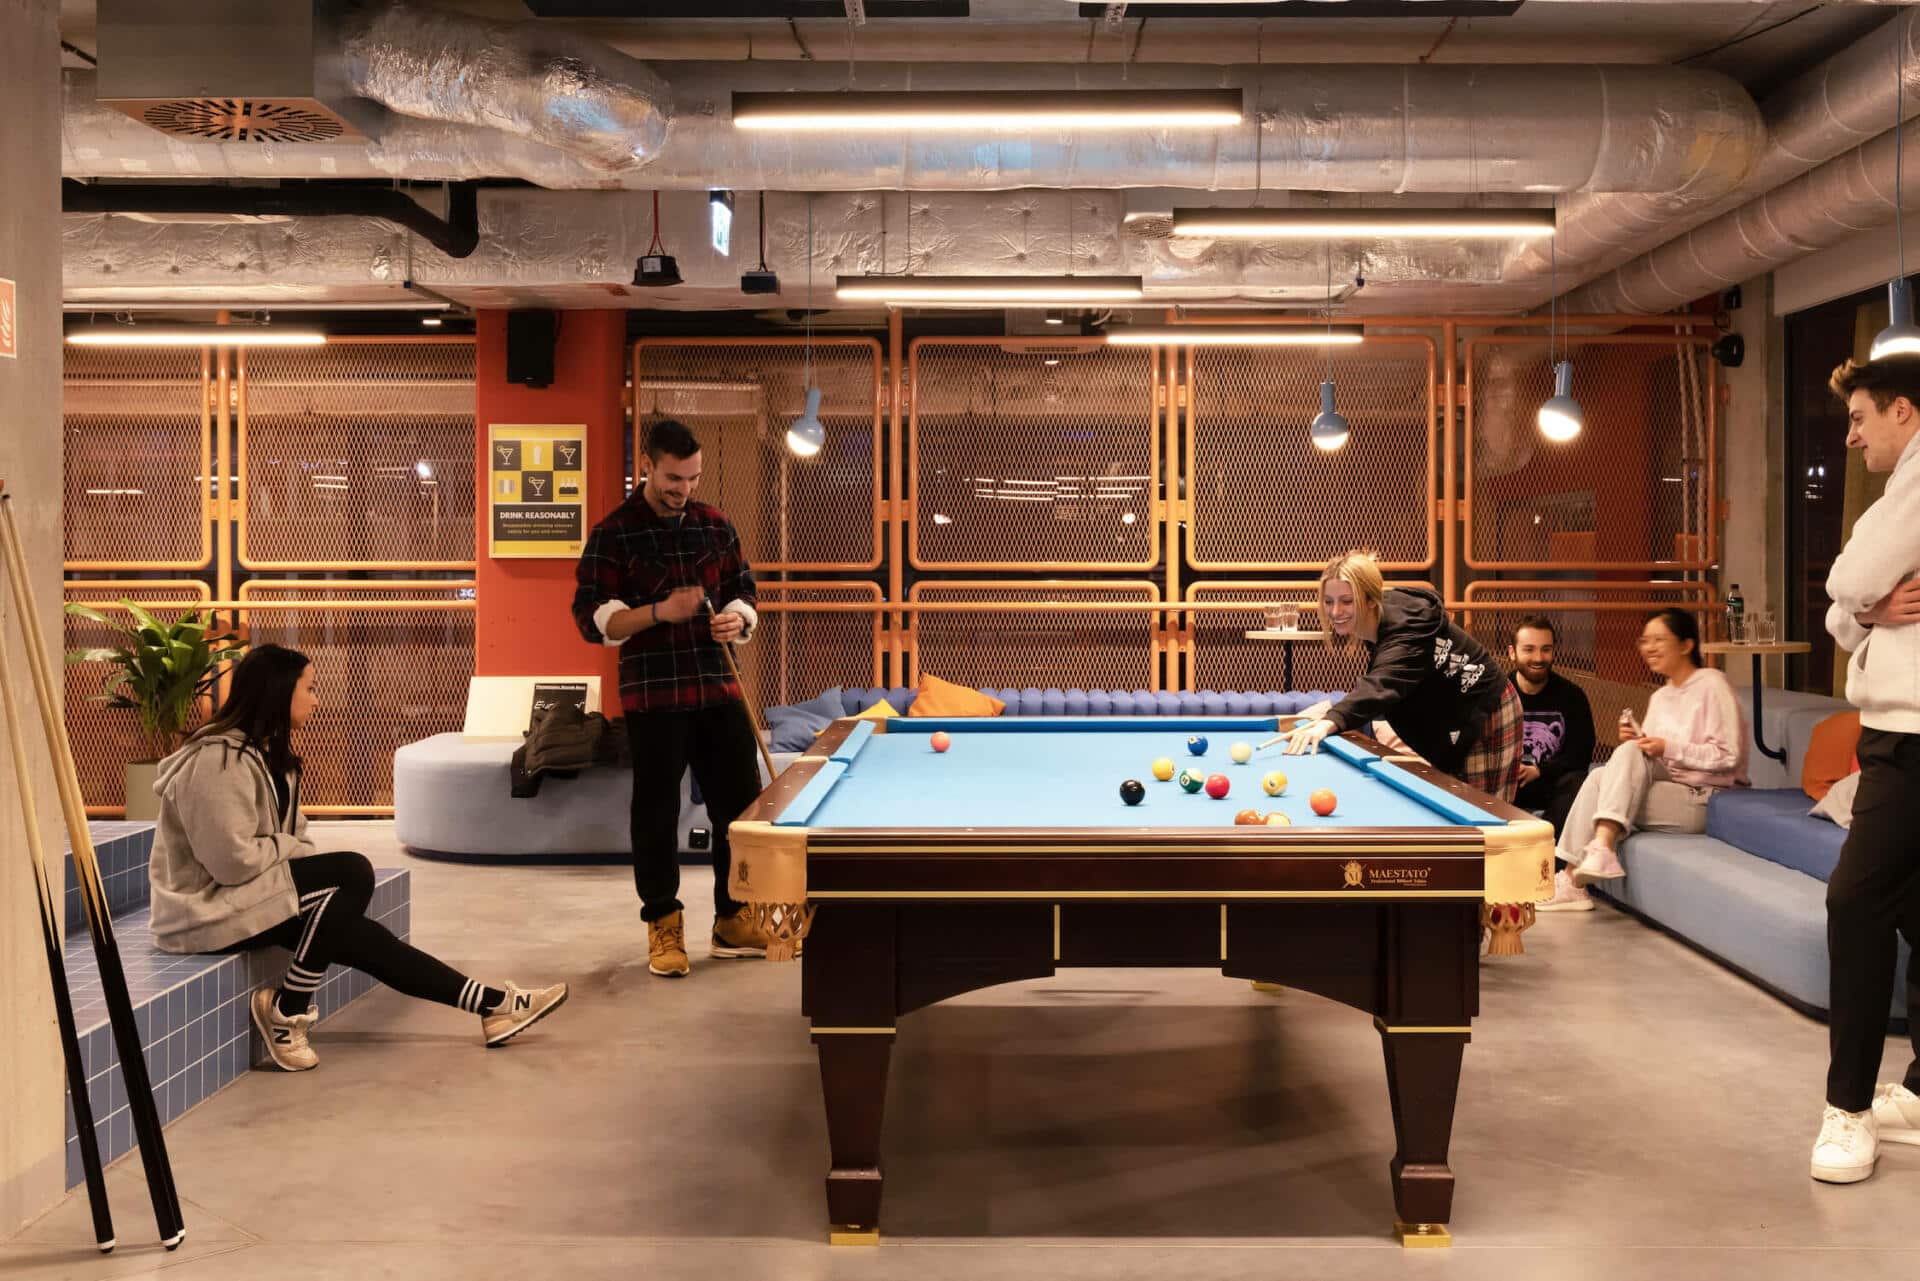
(195, 336)
(1234, 335)
(113, 308)
(990, 291)
(1338, 224)
(1021, 109)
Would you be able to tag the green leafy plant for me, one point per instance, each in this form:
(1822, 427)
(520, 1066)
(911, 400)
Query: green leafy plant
(162, 671)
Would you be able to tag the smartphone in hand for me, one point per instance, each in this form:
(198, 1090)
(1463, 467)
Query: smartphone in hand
(1630, 722)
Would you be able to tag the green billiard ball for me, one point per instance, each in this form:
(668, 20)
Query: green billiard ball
(1192, 780)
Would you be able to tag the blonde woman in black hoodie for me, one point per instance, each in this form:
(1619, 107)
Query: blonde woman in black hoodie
(233, 870)
(1438, 687)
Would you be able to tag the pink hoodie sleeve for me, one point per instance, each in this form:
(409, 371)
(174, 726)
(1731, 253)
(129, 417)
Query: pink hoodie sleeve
(1714, 746)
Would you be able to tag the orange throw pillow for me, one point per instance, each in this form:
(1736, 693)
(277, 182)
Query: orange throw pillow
(944, 698)
(1830, 753)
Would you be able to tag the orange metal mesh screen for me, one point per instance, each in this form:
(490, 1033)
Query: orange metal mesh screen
(1026, 454)
(357, 455)
(1223, 658)
(1030, 645)
(1596, 625)
(386, 677)
(1264, 497)
(738, 396)
(137, 444)
(105, 739)
(1636, 489)
(796, 654)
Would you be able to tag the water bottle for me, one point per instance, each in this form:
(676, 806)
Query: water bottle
(1736, 614)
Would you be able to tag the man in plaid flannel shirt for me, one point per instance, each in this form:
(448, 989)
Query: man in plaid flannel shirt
(648, 577)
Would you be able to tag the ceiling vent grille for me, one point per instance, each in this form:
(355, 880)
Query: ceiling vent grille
(242, 119)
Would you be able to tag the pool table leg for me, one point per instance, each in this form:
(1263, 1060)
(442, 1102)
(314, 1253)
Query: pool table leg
(1423, 1078)
(853, 1077)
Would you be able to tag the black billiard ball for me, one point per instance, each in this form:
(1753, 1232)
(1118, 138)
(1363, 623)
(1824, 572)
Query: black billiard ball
(1133, 791)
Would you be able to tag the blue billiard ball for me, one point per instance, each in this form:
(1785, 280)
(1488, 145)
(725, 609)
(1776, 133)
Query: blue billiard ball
(1197, 745)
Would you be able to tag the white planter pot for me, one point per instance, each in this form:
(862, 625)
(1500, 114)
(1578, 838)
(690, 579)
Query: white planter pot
(142, 804)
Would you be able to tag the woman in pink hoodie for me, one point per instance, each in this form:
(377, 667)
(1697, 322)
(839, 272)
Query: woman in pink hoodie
(1663, 773)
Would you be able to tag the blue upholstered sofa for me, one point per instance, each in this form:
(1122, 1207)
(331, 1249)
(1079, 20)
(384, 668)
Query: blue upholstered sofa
(1751, 892)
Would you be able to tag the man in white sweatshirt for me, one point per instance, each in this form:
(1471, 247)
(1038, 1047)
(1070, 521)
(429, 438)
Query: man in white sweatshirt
(1874, 893)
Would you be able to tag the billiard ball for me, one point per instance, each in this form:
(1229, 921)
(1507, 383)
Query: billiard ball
(1247, 818)
(1241, 753)
(1277, 819)
(1163, 769)
(1197, 745)
(1217, 785)
(1192, 780)
(1323, 802)
(1133, 791)
(941, 740)
(1274, 784)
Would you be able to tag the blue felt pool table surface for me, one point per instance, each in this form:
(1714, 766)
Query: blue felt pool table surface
(1066, 772)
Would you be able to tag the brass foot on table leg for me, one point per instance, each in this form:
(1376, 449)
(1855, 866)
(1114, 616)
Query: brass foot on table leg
(1422, 1236)
(852, 1234)
(1261, 985)
(1503, 923)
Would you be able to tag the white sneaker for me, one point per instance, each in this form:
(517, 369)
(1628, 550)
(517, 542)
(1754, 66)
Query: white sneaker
(1847, 1148)
(1896, 1114)
(1567, 897)
(285, 1035)
(1597, 863)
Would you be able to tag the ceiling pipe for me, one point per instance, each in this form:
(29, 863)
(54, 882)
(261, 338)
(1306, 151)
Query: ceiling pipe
(457, 235)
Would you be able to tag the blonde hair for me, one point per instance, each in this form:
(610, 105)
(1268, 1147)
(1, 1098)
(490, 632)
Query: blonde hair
(1359, 570)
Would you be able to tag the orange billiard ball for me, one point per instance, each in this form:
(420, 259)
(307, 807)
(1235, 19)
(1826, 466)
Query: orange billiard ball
(1323, 802)
(1247, 818)
(941, 740)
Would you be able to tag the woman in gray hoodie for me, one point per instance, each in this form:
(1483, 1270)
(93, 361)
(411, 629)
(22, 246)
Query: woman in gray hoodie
(233, 870)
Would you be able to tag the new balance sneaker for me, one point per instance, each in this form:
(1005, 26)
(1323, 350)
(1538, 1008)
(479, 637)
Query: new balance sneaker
(520, 1011)
(667, 947)
(1847, 1147)
(738, 936)
(1598, 862)
(285, 1035)
(1567, 897)
(1896, 1113)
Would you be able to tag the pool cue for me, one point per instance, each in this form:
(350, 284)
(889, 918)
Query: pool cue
(86, 866)
(759, 739)
(56, 965)
(1281, 738)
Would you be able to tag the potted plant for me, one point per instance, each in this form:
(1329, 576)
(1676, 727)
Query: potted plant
(161, 672)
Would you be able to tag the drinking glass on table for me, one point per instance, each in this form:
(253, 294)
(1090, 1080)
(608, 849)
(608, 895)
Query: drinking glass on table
(1271, 614)
(1737, 628)
(1760, 627)
(1289, 618)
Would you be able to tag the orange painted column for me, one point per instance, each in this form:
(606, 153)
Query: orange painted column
(523, 621)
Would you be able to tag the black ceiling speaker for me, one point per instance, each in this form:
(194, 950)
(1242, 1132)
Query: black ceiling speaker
(1730, 351)
(530, 337)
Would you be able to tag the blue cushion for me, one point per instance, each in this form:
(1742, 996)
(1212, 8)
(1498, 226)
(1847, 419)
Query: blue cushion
(1165, 703)
(792, 729)
(1773, 824)
(1053, 702)
(1030, 702)
(1212, 704)
(1124, 703)
(1237, 704)
(1100, 702)
(1187, 703)
(1260, 705)
(1076, 702)
(850, 700)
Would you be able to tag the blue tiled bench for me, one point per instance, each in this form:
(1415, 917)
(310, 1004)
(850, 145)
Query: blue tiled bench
(122, 849)
(191, 1011)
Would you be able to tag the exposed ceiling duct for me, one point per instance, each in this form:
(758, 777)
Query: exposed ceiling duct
(1356, 128)
(456, 235)
(1843, 102)
(526, 79)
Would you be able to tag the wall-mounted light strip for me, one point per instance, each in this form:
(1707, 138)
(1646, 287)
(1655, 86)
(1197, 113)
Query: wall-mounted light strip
(196, 336)
(1020, 109)
(989, 291)
(1347, 224)
(1234, 335)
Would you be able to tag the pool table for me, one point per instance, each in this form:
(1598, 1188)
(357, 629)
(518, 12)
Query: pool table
(910, 875)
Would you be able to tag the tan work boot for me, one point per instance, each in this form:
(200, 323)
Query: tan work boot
(738, 936)
(667, 947)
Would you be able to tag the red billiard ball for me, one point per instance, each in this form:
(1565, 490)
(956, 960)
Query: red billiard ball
(1217, 786)
(941, 740)
(1323, 802)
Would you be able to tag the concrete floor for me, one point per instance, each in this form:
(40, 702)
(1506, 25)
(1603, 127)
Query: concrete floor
(1628, 1110)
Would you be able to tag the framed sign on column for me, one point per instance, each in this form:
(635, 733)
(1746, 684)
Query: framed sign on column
(537, 491)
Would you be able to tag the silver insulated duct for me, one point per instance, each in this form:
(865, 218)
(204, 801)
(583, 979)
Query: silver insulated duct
(531, 81)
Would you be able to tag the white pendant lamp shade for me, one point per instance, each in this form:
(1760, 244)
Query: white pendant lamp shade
(1561, 418)
(1330, 428)
(1900, 337)
(806, 435)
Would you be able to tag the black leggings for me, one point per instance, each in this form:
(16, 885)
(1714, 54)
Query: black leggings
(332, 929)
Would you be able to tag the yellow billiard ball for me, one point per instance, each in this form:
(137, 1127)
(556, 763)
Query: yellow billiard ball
(1163, 769)
(1241, 753)
(1277, 819)
(1274, 784)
